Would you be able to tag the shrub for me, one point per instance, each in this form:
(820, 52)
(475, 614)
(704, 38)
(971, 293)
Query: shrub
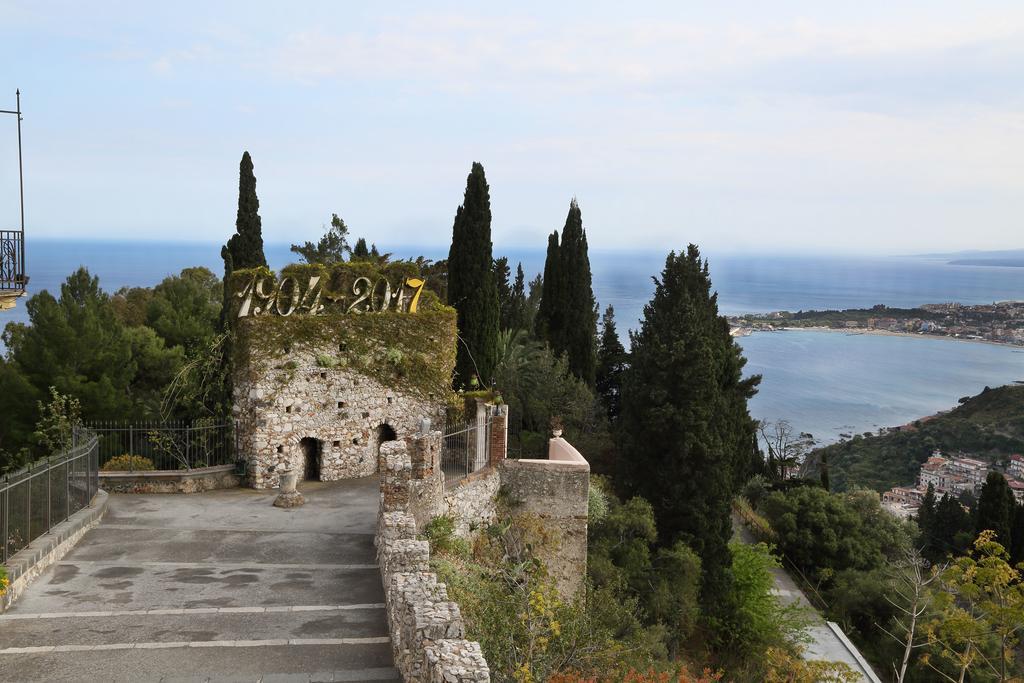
(440, 532)
(126, 462)
(597, 503)
(4, 581)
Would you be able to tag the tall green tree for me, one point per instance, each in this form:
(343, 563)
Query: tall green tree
(533, 300)
(684, 428)
(331, 248)
(578, 339)
(996, 508)
(245, 248)
(548, 320)
(503, 285)
(517, 306)
(360, 252)
(471, 287)
(611, 364)
(567, 319)
(184, 309)
(952, 529)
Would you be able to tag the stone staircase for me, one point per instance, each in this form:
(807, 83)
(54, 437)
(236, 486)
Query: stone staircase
(219, 586)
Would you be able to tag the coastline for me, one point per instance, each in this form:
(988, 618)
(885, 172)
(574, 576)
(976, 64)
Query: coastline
(884, 333)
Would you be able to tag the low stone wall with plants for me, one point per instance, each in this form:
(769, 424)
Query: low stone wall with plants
(471, 502)
(171, 481)
(426, 627)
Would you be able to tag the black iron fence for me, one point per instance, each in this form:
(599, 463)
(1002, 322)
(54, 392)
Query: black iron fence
(141, 446)
(466, 448)
(35, 499)
(522, 442)
(12, 260)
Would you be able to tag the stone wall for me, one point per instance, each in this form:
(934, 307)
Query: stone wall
(319, 394)
(348, 415)
(471, 503)
(556, 492)
(171, 481)
(427, 631)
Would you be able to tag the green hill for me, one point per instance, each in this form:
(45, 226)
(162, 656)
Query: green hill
(989, 426)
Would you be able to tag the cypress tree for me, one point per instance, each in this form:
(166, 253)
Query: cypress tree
(517, 316)
(548, 321)
(823, 472)
(360, 252)
(471, 287)
(504, 289)
(246, 246)
(996, 508)
(611, 363)
(578, 339)
(926, 514)
(684, 429)
(952, 530)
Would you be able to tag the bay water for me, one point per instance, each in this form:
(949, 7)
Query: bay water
(825, 383)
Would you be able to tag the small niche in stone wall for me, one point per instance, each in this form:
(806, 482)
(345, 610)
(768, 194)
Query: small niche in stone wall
(341, 404)
(391, 399)
(366, 414)
(323, 375)
(336, 444)
(355, 441)
(288, 409)
(280, 449)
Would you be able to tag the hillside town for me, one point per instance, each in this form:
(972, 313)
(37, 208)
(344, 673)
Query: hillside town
(1001, 322)
(956, 475)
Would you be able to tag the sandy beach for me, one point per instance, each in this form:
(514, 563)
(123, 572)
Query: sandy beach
(885, 333)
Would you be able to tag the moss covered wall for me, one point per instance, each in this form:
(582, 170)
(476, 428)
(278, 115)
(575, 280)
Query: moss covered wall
(343, 379)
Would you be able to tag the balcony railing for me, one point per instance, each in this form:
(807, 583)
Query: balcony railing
(12, 261)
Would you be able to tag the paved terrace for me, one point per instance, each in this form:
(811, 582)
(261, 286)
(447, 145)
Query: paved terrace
(217, 586)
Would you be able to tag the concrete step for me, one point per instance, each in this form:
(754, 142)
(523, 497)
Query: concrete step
(118, 627)
(72, 586)
(144, 543)
(363, 662)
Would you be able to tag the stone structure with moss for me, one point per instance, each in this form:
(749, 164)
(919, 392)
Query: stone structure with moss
(330, 362)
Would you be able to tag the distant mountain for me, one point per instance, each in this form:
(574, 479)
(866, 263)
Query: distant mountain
(989, 426)
(977, 257)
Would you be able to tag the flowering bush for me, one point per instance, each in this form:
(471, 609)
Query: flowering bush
(122, 463)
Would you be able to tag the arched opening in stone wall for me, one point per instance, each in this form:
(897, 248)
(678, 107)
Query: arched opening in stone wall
(311, 458)
(385, 432)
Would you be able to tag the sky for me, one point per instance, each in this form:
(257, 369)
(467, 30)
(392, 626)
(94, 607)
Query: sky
(749, 126)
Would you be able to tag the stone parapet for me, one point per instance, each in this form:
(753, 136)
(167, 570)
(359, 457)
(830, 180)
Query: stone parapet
(171, 481)
(426, 627)
(556, 492)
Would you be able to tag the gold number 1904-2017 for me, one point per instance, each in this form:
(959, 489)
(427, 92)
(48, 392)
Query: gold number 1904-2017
(286, 297)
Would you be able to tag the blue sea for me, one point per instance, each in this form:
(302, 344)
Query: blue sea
(825, 383)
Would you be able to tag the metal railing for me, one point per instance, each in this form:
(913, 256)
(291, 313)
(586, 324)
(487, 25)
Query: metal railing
(175, 445)
(35, 499)
(12, 261)
(466, 448)
(523, 443)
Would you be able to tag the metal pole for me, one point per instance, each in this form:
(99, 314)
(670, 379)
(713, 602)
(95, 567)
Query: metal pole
(7, 518)
(21, 184)
(49, 473)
